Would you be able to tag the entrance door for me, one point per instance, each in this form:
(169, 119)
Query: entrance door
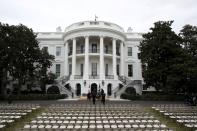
(94, 87)
(78, 90)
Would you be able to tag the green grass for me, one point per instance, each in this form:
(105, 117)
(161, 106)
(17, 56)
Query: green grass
(169, 122)
(19, 124)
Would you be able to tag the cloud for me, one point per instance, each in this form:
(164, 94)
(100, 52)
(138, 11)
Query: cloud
(46, 15)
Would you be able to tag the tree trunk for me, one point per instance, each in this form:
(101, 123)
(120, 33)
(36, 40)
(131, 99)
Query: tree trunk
(3, 84)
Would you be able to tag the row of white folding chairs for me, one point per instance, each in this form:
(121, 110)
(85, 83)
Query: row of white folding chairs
(99, 126)
(94, 111)
(108, 118)
(19, 106)
(2, 126)
(93, 114)
(10, 117)
(95, 121)
(6, 121)
(191, 125)
(170, 105)
(14, 112)
(187, 121)
(96, 117)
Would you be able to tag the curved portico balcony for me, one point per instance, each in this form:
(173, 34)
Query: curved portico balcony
(98, 43)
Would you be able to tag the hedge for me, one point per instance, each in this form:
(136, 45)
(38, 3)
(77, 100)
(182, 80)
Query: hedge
(37, 97)
(153, 97)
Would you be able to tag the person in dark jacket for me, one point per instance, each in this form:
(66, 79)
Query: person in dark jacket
(94, 96)
(89, 96)
(102, 96)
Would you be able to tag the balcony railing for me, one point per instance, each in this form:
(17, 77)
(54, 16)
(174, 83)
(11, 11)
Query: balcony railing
(78, 76)
(108, 51)
(94, 50)
(94, 77)
(109, 76)
(70, 53)
(80, 51)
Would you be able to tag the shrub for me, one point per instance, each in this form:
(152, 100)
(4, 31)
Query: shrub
(53, 90)
(130, 90)
(154, 96)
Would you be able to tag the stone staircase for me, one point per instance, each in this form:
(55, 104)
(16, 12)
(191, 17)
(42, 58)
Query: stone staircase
(126, 83)
(61, 82)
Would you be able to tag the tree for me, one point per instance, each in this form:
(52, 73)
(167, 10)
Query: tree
(20, 55)
(189, 44)
(4, 55)
(162, 57)
(45, 63)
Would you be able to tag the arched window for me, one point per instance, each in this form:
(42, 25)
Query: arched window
(109, 89)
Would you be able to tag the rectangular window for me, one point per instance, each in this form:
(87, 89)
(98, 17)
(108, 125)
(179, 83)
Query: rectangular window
(129, 51)
(117, 50)
(130, 70)
(106, 49)
(45, 48)
(118, 70)
(94, 69)
(81, 69)
(57, 70)
(82, 48)
(70, 69)
(94, 48)
(106, 70)
(70, 50)
(58, 51)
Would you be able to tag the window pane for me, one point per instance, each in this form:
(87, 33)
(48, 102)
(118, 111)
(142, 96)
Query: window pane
(94, 69)
(129, 51)
(94, 48)
(81, 69)
(70, 69)
(57, 70)
(58, 51)
(118, 70)
(106, 69)
(130, 70)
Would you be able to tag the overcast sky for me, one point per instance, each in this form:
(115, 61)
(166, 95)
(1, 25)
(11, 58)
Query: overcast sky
(46, 15)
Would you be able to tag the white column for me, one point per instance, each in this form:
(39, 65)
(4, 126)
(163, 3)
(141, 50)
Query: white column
(114, 59)
(66, 59)
(73, 58)
(86, 65)
(102, 76)
(121, 59)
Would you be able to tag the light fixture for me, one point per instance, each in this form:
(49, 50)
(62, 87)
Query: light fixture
(84, 83)
(103, 83)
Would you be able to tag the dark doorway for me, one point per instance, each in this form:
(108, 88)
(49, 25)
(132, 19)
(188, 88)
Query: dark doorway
(109, 89)
(94, 87)
(78, 89)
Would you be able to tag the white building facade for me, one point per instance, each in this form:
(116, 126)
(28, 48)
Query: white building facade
(94, 55)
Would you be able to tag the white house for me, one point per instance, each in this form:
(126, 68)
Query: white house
(94, 55)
